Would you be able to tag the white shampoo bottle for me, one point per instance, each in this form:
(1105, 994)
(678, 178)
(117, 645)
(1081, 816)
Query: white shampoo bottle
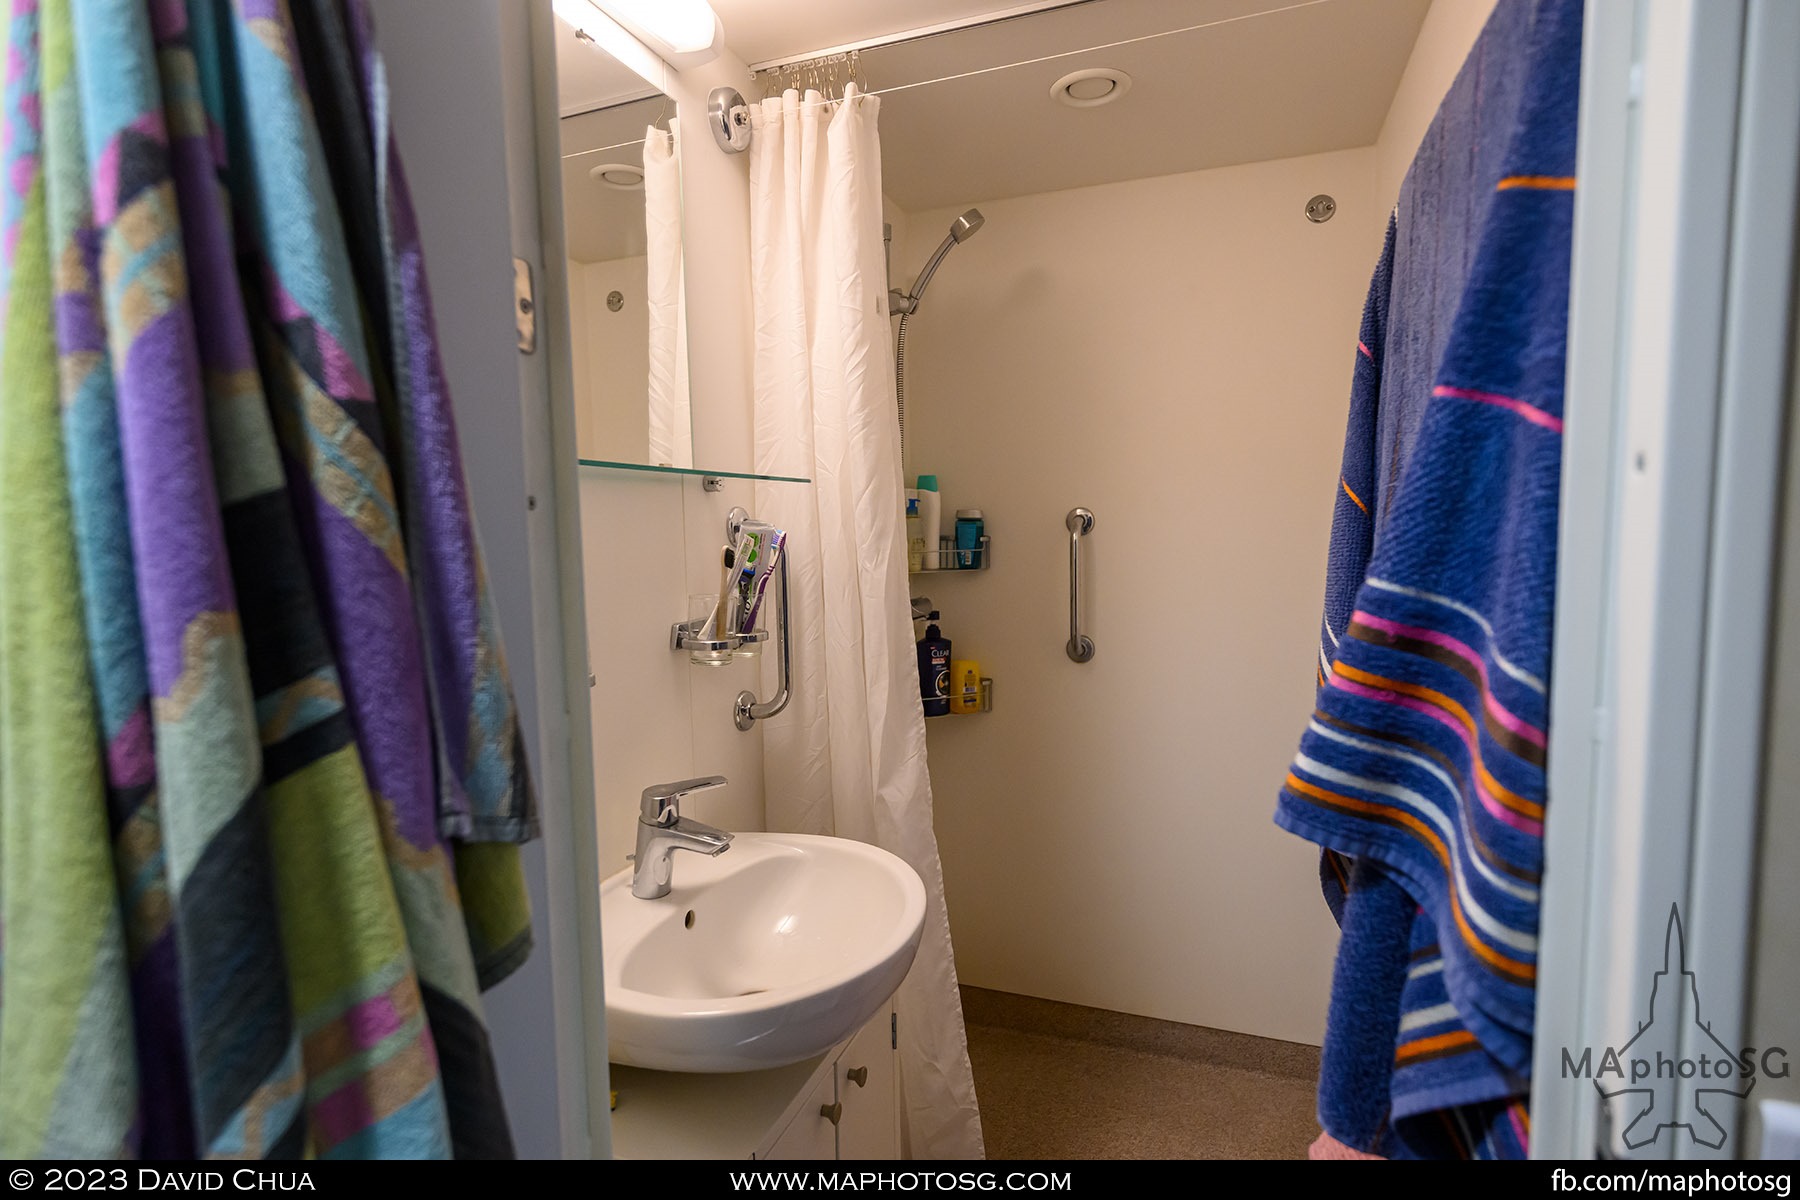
(931, 519)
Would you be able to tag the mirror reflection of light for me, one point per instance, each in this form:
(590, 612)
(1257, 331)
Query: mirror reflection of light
(579, 14)
(607, 35)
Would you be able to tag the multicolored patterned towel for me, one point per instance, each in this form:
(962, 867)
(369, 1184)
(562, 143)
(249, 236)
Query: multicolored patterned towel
(66, 1038)
(286, 713)
(1422, 770)
(484, 789)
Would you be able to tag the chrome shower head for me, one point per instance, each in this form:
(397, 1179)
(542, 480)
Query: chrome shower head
(961, 230)
(965, 226)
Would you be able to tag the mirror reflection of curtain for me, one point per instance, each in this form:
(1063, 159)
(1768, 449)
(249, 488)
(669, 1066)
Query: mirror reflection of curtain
(848, 755)
(671, 415)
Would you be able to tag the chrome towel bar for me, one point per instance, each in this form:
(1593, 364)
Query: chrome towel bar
(748, 710)
(1080, 522)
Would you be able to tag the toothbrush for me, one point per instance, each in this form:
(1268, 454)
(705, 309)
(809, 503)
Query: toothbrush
(767, 568)
(747, 568)
(754, 565)
(719, 619)
(735, 553)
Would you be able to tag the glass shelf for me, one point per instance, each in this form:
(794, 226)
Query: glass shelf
(696, 471)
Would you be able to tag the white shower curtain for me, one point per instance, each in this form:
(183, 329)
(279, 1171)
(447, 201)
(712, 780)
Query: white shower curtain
(665, 297)
(848, 755)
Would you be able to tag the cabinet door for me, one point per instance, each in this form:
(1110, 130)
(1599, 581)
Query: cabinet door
(868, 1085)
(811, 1134)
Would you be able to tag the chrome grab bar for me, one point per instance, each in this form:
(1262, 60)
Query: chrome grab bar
(748, 711)
(1081, 647)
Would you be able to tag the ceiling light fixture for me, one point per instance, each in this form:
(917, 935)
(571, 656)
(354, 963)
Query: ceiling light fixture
(686, 33)
(1092, 87)
(623, 177)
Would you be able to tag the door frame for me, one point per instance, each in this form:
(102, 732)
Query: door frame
(1681, 306)
(547, 379)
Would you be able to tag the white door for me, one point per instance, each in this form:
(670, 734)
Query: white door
(813, 1133)
(868, 1086)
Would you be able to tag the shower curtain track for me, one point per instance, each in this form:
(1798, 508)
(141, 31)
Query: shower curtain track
(823, 56)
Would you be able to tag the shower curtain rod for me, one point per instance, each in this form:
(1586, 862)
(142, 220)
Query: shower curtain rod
(1026, 62)
(602, 149)
(1043, 58)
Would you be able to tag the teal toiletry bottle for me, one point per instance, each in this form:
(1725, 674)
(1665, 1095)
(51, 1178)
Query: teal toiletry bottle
(934, 669)
(969, 530)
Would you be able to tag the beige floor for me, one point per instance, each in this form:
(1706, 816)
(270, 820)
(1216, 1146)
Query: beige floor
(1057, 1081)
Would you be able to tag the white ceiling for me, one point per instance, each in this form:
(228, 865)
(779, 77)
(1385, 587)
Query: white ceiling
(602, 223)
(761, 31)
(1257, 84)
(1276, 85)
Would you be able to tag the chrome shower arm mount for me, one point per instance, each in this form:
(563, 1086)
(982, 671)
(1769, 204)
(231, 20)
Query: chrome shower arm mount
(901, 303)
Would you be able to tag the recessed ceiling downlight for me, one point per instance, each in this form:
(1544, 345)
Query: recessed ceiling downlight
(1092, 87)
(624, 177)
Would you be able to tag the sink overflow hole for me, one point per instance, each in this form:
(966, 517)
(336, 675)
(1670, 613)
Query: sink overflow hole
(688, 922)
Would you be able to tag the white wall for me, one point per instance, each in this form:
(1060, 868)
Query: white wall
(715, 239)
(1174, 353)
(901, 267)
(1444, 40)
(650, 541)
(612, 359)
(586, 416)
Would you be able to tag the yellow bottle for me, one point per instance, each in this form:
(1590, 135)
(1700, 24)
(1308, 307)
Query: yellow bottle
(965, 686)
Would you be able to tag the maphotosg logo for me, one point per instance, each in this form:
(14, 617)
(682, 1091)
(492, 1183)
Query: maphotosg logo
(1653, 1082)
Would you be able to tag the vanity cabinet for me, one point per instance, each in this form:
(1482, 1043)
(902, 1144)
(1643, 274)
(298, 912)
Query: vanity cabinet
(810, 1133)
(868, 1086)
(844, 1104)
(853, 1109)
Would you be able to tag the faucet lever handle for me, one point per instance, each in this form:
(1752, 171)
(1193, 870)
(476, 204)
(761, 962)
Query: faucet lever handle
(661, 804)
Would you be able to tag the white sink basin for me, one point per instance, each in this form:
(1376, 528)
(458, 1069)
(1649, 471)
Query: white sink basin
(775, 951)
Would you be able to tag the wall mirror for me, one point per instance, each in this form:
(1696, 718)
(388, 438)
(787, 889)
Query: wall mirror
(621, 184)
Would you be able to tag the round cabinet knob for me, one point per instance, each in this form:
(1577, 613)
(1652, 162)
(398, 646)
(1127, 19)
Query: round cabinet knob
(858, 1075)
(832, 1112)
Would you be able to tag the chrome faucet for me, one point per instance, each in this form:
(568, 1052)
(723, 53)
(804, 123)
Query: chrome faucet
(662, 830)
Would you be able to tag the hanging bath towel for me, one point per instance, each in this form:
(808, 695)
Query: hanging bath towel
(247, 680)
(66, 1041)
(1422, 770)
(484, 786)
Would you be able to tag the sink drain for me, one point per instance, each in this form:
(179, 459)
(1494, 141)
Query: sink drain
(688, 921)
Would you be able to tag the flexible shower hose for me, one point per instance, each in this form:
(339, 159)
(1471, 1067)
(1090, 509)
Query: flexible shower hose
(900, 379)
